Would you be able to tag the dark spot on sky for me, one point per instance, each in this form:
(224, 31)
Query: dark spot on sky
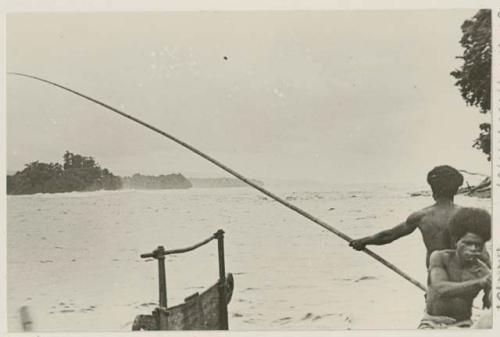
(225, 58)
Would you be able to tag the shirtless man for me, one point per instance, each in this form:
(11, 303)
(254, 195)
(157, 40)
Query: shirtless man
(456, 275)
(432, 221)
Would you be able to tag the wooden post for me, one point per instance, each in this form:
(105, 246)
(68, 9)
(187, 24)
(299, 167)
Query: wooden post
(162, 278)
(162, 283)
(26, 320)
(222, 281)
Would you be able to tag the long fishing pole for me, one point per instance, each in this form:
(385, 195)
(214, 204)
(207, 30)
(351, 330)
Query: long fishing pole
(235, 174)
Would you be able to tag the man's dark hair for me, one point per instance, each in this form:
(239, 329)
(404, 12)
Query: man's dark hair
(444, 181)
(470, 220)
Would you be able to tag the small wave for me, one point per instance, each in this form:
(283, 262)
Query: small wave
(64, 311)
(283, 319)
(365, 278)
(250, 289)
(146, 304)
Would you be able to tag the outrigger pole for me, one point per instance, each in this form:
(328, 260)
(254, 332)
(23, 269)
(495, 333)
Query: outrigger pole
(235, 174)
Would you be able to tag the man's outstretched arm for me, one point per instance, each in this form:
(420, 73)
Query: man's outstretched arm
(389, 235)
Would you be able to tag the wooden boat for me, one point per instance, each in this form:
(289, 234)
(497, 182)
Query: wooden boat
(198, 312)
(205, 311)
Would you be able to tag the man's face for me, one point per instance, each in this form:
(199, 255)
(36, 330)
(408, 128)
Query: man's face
(470, 247)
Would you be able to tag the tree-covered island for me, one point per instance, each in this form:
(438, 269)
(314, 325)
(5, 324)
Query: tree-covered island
(83, 174)
(77, 173)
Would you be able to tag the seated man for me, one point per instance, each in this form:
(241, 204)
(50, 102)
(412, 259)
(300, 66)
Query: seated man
(456, 276)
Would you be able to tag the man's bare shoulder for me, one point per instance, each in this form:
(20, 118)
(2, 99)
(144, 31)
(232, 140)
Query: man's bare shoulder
(417, 216)
(441, 257)
(424, 211)
(435, 208)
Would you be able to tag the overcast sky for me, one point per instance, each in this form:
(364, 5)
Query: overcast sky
(331, 96)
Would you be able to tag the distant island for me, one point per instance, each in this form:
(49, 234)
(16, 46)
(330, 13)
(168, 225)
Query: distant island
(77, 173)
(80, 173)
(162, 182)
(221, 182)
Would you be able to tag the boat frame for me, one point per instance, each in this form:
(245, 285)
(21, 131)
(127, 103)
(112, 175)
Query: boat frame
(205, 311)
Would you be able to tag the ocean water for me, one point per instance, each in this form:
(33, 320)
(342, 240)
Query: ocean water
(73, 258)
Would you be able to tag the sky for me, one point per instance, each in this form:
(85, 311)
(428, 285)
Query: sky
(331, 96)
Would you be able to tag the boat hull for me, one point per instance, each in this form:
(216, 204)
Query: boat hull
(205, 311)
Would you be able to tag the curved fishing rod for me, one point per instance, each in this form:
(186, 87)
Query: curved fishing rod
(235, 174)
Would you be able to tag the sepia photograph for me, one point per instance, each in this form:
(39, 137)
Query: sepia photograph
(248, 170)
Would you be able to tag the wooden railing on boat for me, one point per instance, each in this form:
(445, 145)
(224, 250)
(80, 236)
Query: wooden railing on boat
(205, 311)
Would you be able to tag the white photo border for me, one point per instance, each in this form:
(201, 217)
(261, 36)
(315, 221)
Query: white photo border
(9, 6)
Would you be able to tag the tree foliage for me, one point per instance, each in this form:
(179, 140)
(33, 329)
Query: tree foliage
(78, 173)
(474, 76)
